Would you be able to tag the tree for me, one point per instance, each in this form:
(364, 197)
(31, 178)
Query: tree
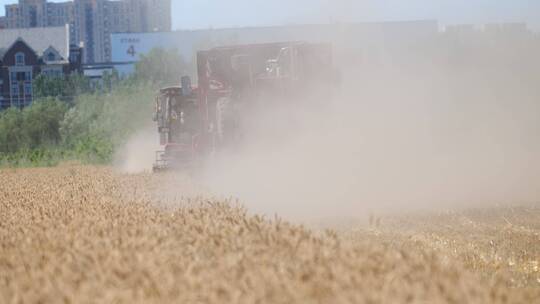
(46, 86)
(66, 87)
(11, 130)
(161, 67)
(41, 122)
(33, 127)
(81, 118)
(110, 80)
(98, 124)
(77, 85)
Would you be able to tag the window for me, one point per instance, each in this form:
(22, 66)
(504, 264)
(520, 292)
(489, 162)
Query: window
(52, 72)
(13, 77)
(21, 76)
(51, 57)
(27, 89)
(15, 90)
(27, 76)
(19, 59)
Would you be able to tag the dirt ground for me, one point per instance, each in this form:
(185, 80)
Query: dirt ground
(78, 234)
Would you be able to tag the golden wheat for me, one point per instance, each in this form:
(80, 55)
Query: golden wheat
(89, 235)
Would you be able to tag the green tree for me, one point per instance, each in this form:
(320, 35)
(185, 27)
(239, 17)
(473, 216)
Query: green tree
(78, 85)
(66, 87)
(46, 86)
(161, 67)
(100, 123)
(89, 129)
(81, 118)
(41, 122)
(11, 131)
(110, 80)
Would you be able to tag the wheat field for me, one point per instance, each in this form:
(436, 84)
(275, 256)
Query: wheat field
(81, 234)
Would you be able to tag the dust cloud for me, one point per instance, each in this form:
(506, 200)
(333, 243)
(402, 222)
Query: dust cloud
(452, 121)
(455, 127)
(139, 152)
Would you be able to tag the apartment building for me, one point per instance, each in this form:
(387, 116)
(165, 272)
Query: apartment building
(92, 21)
(160, 18)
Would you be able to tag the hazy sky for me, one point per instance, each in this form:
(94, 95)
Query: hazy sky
(227, 13)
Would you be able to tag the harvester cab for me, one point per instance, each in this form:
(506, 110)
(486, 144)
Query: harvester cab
(281, 65)
(176, 115)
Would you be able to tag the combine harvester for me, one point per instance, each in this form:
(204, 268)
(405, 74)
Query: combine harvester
(195, 123)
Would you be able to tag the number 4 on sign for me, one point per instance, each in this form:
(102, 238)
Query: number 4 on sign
(131, 51)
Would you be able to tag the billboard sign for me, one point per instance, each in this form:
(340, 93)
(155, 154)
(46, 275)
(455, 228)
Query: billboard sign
(128, 47)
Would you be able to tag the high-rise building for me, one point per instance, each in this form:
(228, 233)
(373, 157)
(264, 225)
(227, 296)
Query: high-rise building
(92, 21)
(96, 20)
(160, 18)
(37, 13)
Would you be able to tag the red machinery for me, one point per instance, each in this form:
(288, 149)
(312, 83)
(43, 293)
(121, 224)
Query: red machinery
(196, 122)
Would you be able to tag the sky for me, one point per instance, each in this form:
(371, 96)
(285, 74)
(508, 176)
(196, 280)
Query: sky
(191, 14)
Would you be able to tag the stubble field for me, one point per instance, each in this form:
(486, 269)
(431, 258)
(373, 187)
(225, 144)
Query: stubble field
(78, 234)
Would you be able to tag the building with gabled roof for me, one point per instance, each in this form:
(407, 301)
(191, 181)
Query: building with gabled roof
(40, 38)
(26, 53)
